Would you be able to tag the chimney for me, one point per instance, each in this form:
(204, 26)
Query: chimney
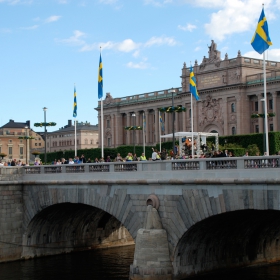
(69, 123)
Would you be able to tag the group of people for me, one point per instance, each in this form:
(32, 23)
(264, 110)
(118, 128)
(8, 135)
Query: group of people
(13, 162)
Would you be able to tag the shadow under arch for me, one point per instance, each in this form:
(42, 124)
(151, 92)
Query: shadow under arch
(229, 240)
(67, 227)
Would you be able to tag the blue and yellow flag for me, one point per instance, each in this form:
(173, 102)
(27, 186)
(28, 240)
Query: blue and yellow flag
(261, 41)
(144, 122)
(75, 103)
(161, 121)
(193, 88)
(100, 79)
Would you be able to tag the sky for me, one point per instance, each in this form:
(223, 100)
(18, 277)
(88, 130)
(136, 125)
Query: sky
(48, 46)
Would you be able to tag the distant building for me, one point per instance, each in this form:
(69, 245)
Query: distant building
(19, 149)
(64, 138)
(231, 91)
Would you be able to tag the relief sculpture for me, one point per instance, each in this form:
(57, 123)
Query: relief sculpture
(211, 111)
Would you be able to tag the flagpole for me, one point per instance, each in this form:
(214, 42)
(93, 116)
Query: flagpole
(144, 128)
(75, 138)
(265, 107)
(192, 125)
(159, 130)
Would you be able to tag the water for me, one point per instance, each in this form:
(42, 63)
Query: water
(109, 264)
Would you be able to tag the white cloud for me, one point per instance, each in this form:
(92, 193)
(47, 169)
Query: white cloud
(75, 40)
(271, 54)
(160, 41)
(52, 19)
(197, 49)
(30, 27)
(157, 3)
(140, 65)
(15, 2)
(187, 27)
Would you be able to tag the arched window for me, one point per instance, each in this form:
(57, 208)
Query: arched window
(233, 107)
(233, 130)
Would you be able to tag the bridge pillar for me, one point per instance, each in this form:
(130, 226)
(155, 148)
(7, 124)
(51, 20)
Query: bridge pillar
(151, 257)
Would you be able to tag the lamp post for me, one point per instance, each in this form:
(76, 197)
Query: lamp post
(173, 120)
(26, 137)
(134, 117)
(45, 113)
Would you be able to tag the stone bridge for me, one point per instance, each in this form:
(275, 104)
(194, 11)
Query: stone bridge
(210, 213)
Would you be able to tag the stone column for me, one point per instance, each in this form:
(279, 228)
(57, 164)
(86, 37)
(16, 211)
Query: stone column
(226, 112)
(151, 257)
(261, 111)
(157, 127)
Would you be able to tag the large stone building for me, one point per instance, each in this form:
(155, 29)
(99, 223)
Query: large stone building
(64, 138)
(14, 142)
(231, 91)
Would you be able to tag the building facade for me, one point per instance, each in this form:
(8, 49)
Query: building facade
(15, 145)
(64, 138)
(231, 92)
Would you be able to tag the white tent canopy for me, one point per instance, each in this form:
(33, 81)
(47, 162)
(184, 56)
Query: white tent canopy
(197, 135)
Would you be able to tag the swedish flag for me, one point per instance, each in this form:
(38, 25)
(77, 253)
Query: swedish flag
(161, 121)
(261, 41)
(75, 103)
(193, 88)
(100, 79)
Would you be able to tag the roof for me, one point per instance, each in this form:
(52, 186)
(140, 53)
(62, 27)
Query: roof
(13, 124)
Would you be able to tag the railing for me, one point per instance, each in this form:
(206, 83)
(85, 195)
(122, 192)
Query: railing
(166, 165)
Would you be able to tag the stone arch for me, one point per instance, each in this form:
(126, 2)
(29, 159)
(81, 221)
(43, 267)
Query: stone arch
(214, 126)
(232, 239)
(103, 198)
(66, 227)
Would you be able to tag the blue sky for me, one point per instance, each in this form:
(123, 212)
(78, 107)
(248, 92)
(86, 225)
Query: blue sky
(48, 45)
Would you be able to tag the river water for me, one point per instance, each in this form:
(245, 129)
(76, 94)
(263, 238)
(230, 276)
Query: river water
(108, 264)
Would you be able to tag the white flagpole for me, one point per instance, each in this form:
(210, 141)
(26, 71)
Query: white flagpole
(192, 125)
(102, 140)
(265, 107)
(144, 130)
(75, 137)
(159, 132)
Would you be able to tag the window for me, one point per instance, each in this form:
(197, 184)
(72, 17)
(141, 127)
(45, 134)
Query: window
(271, 127)
(270, 104)
(108, 123)
(39, 144)
(190, 113)
(91, 141)
(21, 150)
(10, 141)
(35, 144)
(10, 150)
(256, 106)
(109, 142)
(232, 107)
(257, 129)
(233, 130)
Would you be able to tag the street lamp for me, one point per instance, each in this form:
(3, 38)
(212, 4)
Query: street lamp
(26, 137)
(134, 124)
(45, 112)
(173, 120)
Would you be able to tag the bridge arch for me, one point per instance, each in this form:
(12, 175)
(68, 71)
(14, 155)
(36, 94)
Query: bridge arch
(66, 227)
(231, 239)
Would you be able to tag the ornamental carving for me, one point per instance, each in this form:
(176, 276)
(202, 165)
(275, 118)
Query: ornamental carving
(211, 111)
(213, 57)
(108, 98)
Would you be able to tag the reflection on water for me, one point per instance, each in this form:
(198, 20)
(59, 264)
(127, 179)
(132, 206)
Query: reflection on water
(106, 264)
(109, 264)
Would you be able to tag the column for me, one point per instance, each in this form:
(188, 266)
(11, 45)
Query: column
(275, 110)
(157, 126)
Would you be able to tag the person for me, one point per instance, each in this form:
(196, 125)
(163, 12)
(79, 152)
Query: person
(158, 156)
(226, 153)
(77, 160)
(108, 159)
(89, 160)
(135, 157)
(143, 157)
(96, 160)
(163, 154)
(36, 162)
(246, 154)
(13, 163)
(129, 157)
(82, 159)
(1, 163)
(58, 162)
(64, 161)
(154, 154)
(70, 161)
(118, 157)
